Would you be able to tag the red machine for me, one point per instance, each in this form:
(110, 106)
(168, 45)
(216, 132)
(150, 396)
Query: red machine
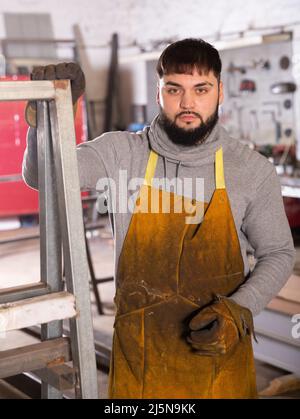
(292, 209)
(16, 198)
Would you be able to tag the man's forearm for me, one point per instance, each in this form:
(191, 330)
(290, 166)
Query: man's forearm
(268, 277)
(268, 232)
(91, 157)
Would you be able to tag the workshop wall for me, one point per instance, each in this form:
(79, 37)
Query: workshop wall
(147, 20)
(144, 24)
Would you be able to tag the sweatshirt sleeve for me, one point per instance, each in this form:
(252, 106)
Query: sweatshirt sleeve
(267, 230)
(30, 160)
(96, 159)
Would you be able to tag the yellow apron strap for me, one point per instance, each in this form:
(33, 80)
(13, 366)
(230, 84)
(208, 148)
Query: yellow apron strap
(151, 166)
(219, 166)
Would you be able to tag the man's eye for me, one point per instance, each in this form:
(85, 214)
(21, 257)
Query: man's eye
(173, 91)
(200, 90)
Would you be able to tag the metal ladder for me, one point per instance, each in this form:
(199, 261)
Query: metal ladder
(62, 237)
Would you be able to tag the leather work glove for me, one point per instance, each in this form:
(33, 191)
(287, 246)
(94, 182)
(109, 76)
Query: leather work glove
(218, 328)
(63, 71)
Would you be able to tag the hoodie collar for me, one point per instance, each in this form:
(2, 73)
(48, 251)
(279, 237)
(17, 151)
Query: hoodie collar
(196, 155)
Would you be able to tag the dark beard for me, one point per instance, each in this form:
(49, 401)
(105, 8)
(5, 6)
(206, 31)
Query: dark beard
(188, 137)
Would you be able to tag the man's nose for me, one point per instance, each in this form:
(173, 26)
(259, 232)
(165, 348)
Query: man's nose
(187, 101)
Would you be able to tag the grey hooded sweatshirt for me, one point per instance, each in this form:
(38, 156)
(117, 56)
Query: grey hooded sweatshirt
(252, 185)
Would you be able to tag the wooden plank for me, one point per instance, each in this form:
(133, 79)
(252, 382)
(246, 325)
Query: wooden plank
(284, 306)
(281, 385)
(34, 357)
(37, 310)
(291, 290)
(21, 292)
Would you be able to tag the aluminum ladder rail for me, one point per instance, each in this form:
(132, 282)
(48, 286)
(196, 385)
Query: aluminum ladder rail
(62, 232)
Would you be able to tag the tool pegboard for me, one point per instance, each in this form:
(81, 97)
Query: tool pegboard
(259, 103)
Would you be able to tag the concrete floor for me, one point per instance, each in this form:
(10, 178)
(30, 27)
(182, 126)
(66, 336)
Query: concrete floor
(19, 264)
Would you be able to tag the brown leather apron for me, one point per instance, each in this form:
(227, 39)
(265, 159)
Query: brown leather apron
(168, 269)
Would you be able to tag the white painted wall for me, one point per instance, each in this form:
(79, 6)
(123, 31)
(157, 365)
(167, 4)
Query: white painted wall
(146, 21)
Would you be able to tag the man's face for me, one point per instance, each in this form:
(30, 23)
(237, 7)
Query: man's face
(190, 101)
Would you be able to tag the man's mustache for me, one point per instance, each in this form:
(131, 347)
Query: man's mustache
(188, 113)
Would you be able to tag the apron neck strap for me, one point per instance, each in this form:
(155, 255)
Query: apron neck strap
(219, 169)
(151, 166)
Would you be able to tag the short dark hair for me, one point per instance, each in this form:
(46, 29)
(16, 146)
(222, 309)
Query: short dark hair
(184, 56)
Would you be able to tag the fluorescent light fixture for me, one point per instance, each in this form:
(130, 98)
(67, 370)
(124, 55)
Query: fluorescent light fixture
(243, 41)
(278, 37)
(239, 42)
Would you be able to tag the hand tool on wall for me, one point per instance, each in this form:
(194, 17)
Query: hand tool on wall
(232, 68)
(254, 119)
(248, 86)
(274, 103)
(284, 62)
(232, 90)
(277, 124)
(254, 126)
(240, 110)
(287, 104)
(283, 87)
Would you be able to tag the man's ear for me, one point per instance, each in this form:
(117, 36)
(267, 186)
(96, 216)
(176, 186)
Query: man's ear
(221, 92)
(157, 94)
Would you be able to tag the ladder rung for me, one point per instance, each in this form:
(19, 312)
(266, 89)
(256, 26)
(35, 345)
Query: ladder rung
(37, 310)
(34, 357)
(8, 295)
